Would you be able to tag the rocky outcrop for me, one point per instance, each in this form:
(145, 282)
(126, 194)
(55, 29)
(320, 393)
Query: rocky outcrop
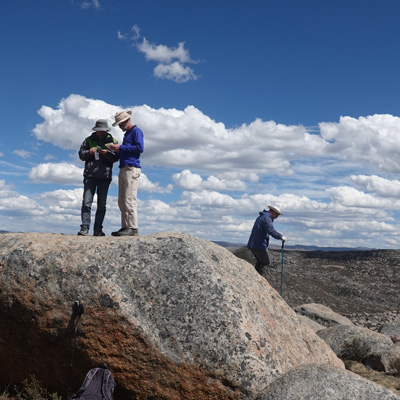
(391, 359)
(392, 329)
(173, 316)
(315, 326)
(370, 345)
(323, 315)
(316, 382)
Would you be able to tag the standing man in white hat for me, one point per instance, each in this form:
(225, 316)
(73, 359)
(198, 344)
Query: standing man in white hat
(128, 179)
(259, 239)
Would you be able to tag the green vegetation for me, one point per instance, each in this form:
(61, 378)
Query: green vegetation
(31, 390)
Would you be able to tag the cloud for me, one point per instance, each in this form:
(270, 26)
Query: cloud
(23, 154)
(14, 205)
(372, 140)
(197, 142)
(61, 173)
(171, 60)
(381, 186)
(13, 166)
(189, 181)
(351, 197)
(164, 54)
(174, 72)
(69, 174)
(90, 4)
(68, 125)
(222, 177)
(146, 185)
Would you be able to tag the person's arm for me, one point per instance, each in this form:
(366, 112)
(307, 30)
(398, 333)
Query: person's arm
(85, 153)
(133, 143)
(271, 230)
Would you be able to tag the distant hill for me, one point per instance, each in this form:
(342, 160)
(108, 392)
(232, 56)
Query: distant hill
(233, 246)
(4, 232)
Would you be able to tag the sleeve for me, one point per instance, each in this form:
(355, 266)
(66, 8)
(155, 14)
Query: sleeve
(133, 143)
(269, 227)
(111, 156)
(84, 151)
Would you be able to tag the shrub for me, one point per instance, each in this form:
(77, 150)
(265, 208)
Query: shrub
(31, 390)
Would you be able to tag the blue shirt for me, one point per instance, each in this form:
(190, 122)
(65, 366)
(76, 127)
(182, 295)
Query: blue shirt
(131, 148)
(263, 228)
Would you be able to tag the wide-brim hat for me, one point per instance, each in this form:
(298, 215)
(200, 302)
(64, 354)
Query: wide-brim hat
(121, 116)
(275, 209)
(101, 125)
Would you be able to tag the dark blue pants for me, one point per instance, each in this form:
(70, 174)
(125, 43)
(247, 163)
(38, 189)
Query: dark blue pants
(90, 186)
(262, 260)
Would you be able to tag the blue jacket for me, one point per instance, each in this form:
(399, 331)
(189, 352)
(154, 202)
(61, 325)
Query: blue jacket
(263, 228)
(131, 148)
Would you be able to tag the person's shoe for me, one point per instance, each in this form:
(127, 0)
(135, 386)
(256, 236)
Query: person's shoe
(84, 231)
(99, 233)
(126, 232)
(118, 233)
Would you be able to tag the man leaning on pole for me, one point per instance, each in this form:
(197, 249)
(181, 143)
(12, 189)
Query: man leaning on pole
(258, 242)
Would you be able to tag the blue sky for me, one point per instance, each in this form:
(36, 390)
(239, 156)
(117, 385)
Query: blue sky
(243, 104)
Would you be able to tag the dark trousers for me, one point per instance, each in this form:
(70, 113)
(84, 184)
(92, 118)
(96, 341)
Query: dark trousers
(91, 185)
(262, 260)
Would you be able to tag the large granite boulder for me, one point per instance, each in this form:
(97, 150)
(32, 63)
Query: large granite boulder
(323, 315)
(322, 382)
(392, 329)
(354, 342)
(173, 316)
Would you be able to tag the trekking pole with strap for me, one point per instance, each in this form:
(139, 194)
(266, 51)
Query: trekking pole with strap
(283, 244)
(77, 311)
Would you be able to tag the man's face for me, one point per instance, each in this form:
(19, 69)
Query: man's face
(124, 125)
(101, 134)
(274, 214)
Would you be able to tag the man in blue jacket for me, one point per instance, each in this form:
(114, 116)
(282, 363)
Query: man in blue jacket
(259, 239)
(129, 172)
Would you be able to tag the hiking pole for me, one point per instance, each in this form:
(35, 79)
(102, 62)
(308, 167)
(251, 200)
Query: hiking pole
(77, 311)
(283, 244)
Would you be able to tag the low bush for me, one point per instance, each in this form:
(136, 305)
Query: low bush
(30, 390)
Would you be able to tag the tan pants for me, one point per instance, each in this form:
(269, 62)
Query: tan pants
(128, 182)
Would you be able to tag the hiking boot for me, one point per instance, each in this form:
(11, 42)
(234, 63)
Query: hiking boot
(99, 233)
(126, 232)
(84, 231)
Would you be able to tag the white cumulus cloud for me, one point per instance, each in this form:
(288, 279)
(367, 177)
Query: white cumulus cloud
(171, 60)
(381, 186)
(189, 181)
(372, 140)
(61, 173)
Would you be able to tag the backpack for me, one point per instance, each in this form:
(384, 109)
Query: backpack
(98, 385)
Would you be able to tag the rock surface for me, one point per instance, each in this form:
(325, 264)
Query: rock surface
(174, 317)
(315, 326)
(378, 343)
(315, 382)
(391, 329)
(323, 315)
(362, 285)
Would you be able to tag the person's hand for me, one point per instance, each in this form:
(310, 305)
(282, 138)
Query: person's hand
(93, 150)
(102, 151)
(283, 239)
(114, 147)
